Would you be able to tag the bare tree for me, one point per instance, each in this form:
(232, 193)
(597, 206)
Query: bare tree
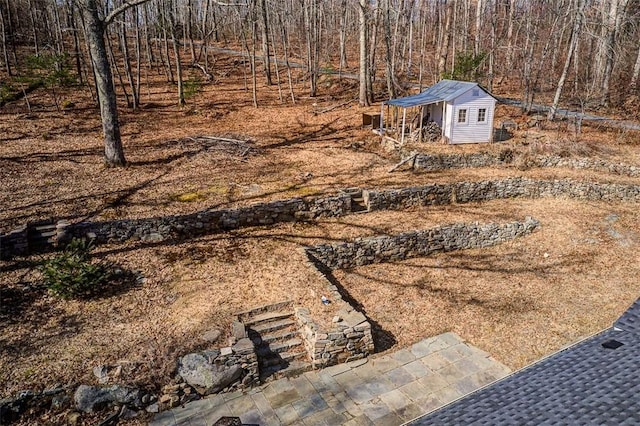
(575, 34)
(95, 26)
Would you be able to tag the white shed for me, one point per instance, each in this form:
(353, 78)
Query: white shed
(463, 111)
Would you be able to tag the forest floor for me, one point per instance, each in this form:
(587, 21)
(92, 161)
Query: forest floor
(519, 301)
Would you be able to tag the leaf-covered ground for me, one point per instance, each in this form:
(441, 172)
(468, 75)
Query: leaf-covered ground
(518, 301)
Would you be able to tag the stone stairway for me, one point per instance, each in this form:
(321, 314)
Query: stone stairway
(279, 345)
(358, 204)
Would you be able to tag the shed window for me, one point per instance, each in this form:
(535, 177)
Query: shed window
(475, 92)
(482, 115)
(462, 116)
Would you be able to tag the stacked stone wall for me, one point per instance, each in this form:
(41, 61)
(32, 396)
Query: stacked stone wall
(45, 236)
(461, 236)
(432, 163)
(348, 338)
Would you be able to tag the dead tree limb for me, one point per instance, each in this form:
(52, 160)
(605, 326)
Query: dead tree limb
(404, 161)
(208, 76)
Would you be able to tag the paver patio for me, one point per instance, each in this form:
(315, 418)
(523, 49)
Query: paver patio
(385, 390)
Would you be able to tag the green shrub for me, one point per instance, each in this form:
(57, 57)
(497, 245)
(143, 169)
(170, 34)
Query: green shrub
(71, 274)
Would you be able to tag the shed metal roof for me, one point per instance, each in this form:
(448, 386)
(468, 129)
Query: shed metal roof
(444, 90)
(585, 384)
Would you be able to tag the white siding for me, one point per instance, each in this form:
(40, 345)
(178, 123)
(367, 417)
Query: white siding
(471, 131)
(448, 120)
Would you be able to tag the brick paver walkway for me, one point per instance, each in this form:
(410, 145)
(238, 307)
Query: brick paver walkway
(387, 390)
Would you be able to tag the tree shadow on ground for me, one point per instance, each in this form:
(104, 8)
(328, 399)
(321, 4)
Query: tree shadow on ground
(382, 339)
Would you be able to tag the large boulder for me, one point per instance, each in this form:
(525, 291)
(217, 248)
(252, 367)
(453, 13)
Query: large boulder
(197, 371)
(90, 398)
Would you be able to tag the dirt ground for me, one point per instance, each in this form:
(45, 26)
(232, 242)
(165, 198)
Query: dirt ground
(518, 301)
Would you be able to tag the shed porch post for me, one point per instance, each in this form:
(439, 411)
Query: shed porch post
(404, 120)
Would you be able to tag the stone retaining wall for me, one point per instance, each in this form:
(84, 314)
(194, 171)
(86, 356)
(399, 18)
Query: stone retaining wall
(348, 339)
(365, 251)
(432, 163)
(28, 239)
(465, 192)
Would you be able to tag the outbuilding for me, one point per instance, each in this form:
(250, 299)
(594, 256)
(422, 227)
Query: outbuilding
(456, 111)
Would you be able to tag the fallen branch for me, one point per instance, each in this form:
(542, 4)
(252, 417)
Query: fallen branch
(331, 108)
(406, 160)
(208, 76)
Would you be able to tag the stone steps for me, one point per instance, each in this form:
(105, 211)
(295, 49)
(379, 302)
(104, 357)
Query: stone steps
(358, 205)
(278, 344)
(266, 318)
(277, 336)
(282, 358)
(268, 327)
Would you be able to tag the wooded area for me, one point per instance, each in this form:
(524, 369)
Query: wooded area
(586, 51)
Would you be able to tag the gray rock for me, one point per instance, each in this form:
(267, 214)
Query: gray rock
(90, 398)
(238, 330)
(102, 374)
(59, 402)
(153, 408)
(212, 336)
(127, 413)
(153, 237)
(243, 347)
(198, 372)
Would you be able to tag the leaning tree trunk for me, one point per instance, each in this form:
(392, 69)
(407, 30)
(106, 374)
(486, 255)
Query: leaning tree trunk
(113, 152)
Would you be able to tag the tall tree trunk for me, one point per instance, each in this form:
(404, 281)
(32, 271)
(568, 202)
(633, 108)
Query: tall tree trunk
(127, 63)
(34, 19)
(266, 52)
(364, 63)
(343, 35)
(5, 51)
(575, 33)
(510, 38)
(446, 37)
(113, 152)
(492, 48)
(616, 15)
(391, 84)
(476, 38)
(635, 76)
(176, 52)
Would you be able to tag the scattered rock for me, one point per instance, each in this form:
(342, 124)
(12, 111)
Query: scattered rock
(153, 237)
(153, 408)
(73, 418)
(198, 372)
(243, 347)
(238, 330)
(101, 373)
(90, 398)
(60, 402)
(212, 336)
(127, 413)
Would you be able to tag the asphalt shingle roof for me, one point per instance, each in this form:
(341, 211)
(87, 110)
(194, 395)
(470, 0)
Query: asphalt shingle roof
(587, 383)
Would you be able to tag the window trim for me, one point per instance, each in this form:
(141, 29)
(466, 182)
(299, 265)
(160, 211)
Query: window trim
(466, 116)
(484, 120)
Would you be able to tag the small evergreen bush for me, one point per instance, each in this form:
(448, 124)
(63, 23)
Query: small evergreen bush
(71, 274)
